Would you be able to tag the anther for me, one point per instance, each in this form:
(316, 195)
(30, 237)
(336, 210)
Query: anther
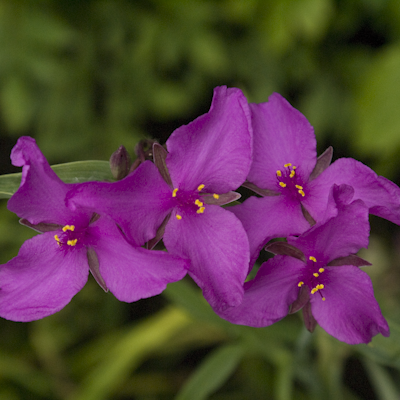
(72, 242)
(216, 196)
(298, 187)
(200, 210)
(316, 274)
(58, 240)
(281, 184)
(198, 203)
(292, 173)
(279, 173)
(300, 284)
(200, 187)
(178, 217)
(312, 258)
(68, 228)
(321, 270)
(174, 192)
(288, 165)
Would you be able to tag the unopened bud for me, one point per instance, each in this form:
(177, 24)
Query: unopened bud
(120, 163)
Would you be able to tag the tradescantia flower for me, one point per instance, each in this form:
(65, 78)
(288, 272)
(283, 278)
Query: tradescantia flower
(179, 201)
(294, 183)
(318, 272)
(52, 267)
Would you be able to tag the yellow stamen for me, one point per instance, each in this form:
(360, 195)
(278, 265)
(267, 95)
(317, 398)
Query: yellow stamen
(288, 165)
(302, 193)
(72, 242)
(316, 274)
(200, 210)
(294, 167)
(298, 187)
(314, 290)
(57, 240)
(198, 203)
(321, 270)
(320, 286)
(68, 228)
(174, 192)
(216, 196)
(281, 184)
(292, 173)
(200, 187)
(178, 217)
(323, 299)
(312, 258)
(300, 284)
(279, 173)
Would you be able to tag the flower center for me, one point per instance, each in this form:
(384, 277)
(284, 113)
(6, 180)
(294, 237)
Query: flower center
(289, 182)
(313, 278)
(68, 236)
(189, 201)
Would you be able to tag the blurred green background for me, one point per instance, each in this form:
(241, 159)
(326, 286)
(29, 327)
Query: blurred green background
(84, 77)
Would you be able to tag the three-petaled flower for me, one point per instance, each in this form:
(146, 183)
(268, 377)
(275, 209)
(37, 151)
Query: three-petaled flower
(178, 198)
(319, 273)
(52, 267)
(294, 184)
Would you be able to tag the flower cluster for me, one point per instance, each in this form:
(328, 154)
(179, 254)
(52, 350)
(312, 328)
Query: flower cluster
(318, 211)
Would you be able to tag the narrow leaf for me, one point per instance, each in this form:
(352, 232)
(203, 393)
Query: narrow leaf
(212, 373)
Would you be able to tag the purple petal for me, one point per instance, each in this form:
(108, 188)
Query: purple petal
(381, 196)
(281, 135)
(268, 296)
(132, 273)
(138, 204)
(339, 236)
(215, 148)
(269, 217)
(350, 312)
(217, 246)
(40, 198)
(41, 280)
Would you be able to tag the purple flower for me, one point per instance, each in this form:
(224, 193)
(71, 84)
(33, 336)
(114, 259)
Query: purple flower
(180, 199)
(295, 184)
(318, 272)
(52, 267)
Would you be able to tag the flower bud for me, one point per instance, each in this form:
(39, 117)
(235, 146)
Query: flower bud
(120, 163)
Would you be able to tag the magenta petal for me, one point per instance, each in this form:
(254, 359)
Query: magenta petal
(215, 148)
(40, 197)
(138, 204)
(281, 135)
(41, 280)
(132, 273)
(217, 246)
(268, 296)
(340, 235)
(269, 217)
(350, 312)
(381, 196)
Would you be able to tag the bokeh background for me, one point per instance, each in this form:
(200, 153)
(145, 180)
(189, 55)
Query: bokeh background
(84, 77)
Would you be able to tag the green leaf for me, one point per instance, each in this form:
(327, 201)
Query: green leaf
(138, 343)
(382, 381)
(74, 172)
(212, 373)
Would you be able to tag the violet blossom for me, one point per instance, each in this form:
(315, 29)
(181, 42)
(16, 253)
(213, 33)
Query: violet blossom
(294, 183)
(319, 273)
(52, 267)
(178, 198)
